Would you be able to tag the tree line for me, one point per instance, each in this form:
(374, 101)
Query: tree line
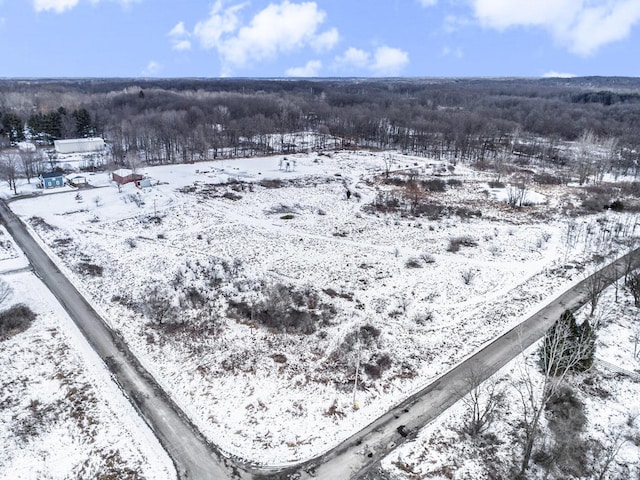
(168, 121)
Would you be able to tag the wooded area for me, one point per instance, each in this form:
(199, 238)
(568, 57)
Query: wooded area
(186, 120)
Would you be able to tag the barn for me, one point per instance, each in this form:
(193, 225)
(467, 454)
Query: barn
(52, 179)
(79, 145)
(125, 175)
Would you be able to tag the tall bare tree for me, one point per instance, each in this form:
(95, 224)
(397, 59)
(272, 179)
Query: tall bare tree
(9, 169)
(481, 401)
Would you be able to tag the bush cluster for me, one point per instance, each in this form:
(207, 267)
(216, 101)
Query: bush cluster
(15, 320)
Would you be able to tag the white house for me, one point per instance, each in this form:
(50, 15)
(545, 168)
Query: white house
(79, 145)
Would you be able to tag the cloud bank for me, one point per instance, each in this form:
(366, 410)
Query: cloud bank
(582, 26)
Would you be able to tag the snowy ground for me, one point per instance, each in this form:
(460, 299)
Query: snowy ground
(611, 408)
(61, 415)
(391, 288)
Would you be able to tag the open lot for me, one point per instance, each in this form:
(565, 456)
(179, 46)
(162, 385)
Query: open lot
(256, 292)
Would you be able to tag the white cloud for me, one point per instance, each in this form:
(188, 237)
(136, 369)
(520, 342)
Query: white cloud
(60, 6)
(181, 45)
(354, 57)
(219, 23)
(311, 69)
(178, 30)
(583, 26)
(554, 74)
(180, 37)
(57, 6)
(389, 61)
(279, 28)
(152, 68)
(385, 60)
(326, 41)
(428, 3)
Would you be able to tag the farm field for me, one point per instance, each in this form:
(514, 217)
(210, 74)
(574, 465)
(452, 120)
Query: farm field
(256, 290)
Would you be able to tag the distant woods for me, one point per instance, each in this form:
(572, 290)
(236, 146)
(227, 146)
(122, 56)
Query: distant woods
(168, 121)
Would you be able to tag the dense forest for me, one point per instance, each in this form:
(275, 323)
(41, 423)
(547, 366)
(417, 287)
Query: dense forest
(185, 120)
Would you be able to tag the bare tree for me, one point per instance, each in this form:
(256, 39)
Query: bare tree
(633, 284)
(481, 401)
(595, 285)
(5, 292)
(605, 454)
(28, 161)
(9, 170)
(583, 161)
(517, 193)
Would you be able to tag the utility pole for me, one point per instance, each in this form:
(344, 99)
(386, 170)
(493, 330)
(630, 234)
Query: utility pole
(356, 405)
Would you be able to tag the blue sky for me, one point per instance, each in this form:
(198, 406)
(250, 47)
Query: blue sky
(322, 38)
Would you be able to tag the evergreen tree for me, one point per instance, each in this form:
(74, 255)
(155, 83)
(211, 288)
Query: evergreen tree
(568, 346)
(13, 126)
(45, 126)
(83, 122)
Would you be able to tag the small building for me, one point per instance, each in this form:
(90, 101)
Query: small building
(52, 179)
(77, 181)
(125, 175)
(143, 183)
(79, 145)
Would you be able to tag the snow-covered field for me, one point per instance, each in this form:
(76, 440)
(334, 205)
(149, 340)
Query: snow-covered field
(186, 270)
(61, 415)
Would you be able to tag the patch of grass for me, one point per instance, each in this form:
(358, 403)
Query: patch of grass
(288, 216)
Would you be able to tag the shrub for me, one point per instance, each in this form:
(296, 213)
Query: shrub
(272, 183)
(496, 184)
(454, 182)
(427, 258)
(90, 269)
(385, 202)
(595, 203)
(549, 179)
(15, 320)
(423, 318)
(468, 276)
(435, 185)
(231, 196)
(286, 310)
(465, 241)
(617, 206)
(413, 262)
(376, 368)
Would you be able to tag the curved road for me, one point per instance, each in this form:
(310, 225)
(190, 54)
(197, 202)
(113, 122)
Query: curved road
(358, 456)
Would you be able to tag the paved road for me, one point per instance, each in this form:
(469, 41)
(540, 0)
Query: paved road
(193, 457)
(357, 457)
